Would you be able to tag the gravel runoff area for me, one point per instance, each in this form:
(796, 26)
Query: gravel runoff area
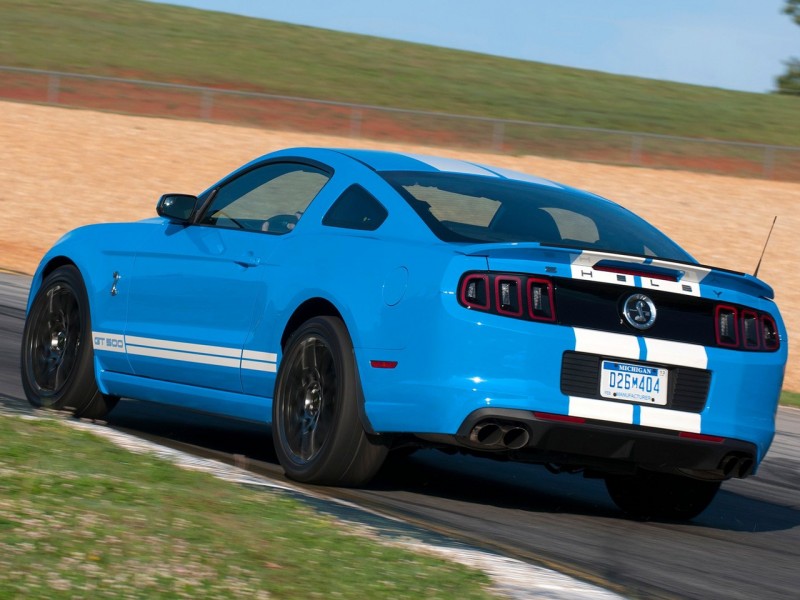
(62, 168)
(511, 578)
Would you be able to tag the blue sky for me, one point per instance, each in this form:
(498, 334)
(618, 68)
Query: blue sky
(732, 44)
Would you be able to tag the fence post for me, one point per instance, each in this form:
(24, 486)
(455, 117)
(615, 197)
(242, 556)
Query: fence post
(53, 86)
(498, 135)
(206, 105)
(769, 162)
(636, 150)
(355, 123)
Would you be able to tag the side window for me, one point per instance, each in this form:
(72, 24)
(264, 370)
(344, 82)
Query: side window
(356, 208)
(271, 198)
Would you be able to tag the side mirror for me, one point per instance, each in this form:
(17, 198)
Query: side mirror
(176, 207)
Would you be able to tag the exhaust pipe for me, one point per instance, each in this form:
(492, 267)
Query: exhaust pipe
(745, 467)
(487, 434)
(515, 438)
(495, 435)
(729, 464)
(734, 465)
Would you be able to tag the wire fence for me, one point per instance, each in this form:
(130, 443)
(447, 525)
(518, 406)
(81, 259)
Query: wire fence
(359, 121)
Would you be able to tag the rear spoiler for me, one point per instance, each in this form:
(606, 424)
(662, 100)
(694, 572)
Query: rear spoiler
(686, 273)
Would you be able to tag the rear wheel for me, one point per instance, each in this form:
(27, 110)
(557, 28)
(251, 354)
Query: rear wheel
(57, 361)
(317, 432)
(650, 495)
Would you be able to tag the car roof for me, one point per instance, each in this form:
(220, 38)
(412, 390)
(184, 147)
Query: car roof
(379, 160)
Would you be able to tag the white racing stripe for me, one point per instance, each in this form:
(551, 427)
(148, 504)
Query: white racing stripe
(649, 416)
(452, 165)
(617, 345)
(670, 419)
(600, 409)
(262, 356)
(260, 361)
(655, 351)
(509, 174)
(220, 356)
(132, 340)
(203, 359)
(605, 343)
(587, 272)
(674, 287)
(676, 353)
(253, 365)
(582, 267)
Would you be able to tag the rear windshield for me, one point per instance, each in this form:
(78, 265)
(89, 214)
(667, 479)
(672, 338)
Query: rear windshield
(477, 209)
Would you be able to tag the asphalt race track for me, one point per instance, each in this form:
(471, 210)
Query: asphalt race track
(746, 545)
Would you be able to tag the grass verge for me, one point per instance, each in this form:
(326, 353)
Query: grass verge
(790, 399)
(80, 517)
(170, 43)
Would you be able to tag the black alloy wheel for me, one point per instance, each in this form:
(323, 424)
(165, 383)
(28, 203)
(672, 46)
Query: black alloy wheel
(57, 359)
(318, 434)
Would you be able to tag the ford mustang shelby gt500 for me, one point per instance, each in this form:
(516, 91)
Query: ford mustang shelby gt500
(362, 301)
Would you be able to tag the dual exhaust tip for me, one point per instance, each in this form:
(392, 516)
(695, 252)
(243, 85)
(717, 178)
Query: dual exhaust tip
(735, 465)
(492, 435)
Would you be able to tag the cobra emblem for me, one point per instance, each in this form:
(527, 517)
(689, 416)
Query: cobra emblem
(639, 311)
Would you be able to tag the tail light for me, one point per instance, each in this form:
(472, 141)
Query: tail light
(540, 300)
(727, 330)
(474, 291)
(510, 295)
(750, 335)
(769, 333)
(745, 329)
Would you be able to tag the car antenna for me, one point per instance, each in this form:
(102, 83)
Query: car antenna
(769, 235)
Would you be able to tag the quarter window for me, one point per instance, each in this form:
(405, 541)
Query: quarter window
(271, 198)
(356, 208)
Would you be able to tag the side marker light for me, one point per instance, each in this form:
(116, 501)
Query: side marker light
(383, 364)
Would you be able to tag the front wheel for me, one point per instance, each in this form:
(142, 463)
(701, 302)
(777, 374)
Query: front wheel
(57, 360)
(318, 435)
(651, 495)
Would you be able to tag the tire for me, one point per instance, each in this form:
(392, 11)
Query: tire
(651, 495)
(317, 432)
(57, 359)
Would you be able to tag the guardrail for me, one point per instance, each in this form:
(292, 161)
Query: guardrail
(394, 124)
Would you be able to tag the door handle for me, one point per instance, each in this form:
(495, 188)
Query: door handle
(248, 260)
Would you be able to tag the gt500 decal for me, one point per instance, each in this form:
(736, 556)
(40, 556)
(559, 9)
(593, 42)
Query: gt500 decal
(220, 356)
(108, 341)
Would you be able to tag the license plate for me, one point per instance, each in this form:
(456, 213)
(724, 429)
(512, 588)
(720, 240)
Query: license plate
(633, 383)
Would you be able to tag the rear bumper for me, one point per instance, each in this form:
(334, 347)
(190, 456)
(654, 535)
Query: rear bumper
(438, 387)
(466, 362)
(547, 438)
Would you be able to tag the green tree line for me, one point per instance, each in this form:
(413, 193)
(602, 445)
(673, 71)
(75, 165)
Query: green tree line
(789, 82)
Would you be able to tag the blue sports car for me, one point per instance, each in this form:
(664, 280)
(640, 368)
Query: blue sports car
(362, 302)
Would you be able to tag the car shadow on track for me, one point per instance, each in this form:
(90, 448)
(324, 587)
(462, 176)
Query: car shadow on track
(252, 440)
(516, 486)
(432, 476)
